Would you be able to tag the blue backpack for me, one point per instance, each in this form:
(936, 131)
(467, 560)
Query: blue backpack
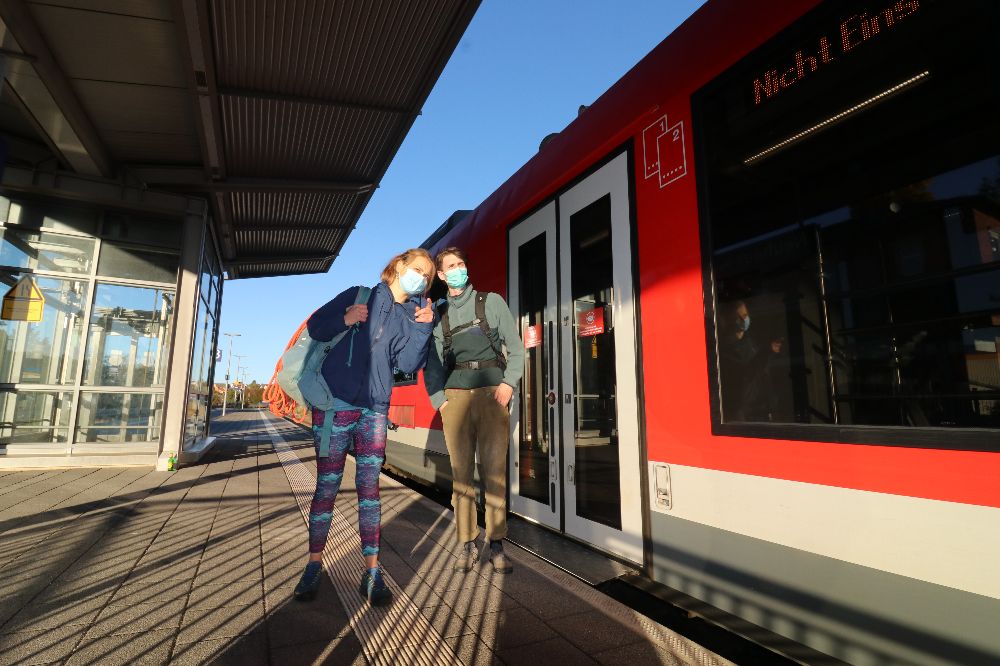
(301, 374)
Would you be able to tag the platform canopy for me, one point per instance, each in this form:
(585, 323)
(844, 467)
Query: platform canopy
(283, 114)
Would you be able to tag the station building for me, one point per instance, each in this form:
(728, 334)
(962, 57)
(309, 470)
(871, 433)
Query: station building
(153, 151)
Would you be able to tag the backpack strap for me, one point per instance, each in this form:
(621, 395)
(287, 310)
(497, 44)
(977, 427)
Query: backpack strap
(448, 332)
(484, 326)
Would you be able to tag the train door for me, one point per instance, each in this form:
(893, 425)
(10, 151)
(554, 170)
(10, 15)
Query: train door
(603, 497)
(576, 440)
(534, 460)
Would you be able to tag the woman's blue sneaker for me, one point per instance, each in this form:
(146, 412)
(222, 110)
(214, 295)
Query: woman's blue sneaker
(373, 587)
(309, 583)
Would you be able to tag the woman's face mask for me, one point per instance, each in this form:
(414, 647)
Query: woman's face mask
(412, 282)
(457, 277)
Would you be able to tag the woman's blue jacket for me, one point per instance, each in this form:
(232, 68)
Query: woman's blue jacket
(360, 369)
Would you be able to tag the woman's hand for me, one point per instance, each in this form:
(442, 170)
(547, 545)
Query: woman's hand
(424, 315)
(356, 313)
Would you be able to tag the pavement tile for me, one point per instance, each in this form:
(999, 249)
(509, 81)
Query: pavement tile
(138, 618)
(445, 621)
(149, 647)
(537, 593)
(474, 652)
(248, 650)
(302, 622)
(478, 600)
(593, 631)
(340, 651)
(160, 572)
(201, 624)
(39, 646)
(49, 615)
(72, 590)
(509, 628)
(241, 593)
(638, 653)
(142, 593)
(555, 650)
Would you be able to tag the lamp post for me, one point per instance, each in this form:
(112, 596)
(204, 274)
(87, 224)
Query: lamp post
(239, 357)
(229, 363)
(243, 393)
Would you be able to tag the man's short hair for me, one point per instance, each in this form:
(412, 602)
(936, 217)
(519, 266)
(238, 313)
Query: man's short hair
(439, 260)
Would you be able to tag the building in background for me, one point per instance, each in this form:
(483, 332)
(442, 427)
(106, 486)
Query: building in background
(149, 152)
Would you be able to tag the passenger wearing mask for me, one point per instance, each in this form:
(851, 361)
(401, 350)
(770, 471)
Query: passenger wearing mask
(391, 331)
(471, 381)
(747, 394)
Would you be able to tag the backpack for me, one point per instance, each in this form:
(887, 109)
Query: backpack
(301, 373)
(448, 332)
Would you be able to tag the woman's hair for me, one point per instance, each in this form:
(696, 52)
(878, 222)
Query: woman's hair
(389, 272)
(439, 261)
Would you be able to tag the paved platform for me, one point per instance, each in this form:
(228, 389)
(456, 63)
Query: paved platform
(129, 565)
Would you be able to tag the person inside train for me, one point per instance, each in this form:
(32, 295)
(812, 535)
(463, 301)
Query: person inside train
(392, 330)
(471, 380)
(746, 366)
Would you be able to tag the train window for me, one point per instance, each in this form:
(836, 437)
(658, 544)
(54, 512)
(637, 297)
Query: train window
(849, 174)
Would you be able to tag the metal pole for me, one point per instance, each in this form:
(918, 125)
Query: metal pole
(239, 357)
(243, 393)
(229, 363)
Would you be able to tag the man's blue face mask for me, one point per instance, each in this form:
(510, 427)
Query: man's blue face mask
(457, 277)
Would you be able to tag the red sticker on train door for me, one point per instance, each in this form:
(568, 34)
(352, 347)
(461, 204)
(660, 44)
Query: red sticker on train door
(533, 336)
(590, 322)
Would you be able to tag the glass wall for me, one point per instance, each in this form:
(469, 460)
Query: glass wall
(199, 401)
(852, 227)
(90, 375)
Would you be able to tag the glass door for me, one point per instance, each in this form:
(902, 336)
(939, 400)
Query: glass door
(600, 465)
(534, 460)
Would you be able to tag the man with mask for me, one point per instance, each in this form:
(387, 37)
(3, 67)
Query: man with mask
(471, 381)
(746, 369)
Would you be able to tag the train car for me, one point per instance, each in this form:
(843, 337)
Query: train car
(759, 284)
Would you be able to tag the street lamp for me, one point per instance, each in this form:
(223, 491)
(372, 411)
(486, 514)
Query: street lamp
(229, 363)
(239, 357)
(243, 393)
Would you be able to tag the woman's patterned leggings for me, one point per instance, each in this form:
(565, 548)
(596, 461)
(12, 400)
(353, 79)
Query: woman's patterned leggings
(367, 430)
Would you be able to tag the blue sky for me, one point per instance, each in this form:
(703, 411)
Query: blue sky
(520, 72)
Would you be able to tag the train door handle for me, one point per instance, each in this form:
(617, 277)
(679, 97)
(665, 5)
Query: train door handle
(571, 476)
(553, 470)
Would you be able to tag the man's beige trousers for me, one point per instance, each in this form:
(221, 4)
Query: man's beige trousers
(471, 417)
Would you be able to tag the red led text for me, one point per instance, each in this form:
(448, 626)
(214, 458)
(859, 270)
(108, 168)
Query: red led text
(852, 32)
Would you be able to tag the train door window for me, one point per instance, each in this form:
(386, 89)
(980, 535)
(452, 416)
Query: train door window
(597, 469)
(535, 490)
(534, 441)
(849, 173)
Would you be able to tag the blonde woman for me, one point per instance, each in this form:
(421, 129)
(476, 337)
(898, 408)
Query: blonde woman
(391, 331)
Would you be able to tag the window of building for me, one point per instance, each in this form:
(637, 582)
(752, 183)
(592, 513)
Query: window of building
(46, 251)
(93, 369)
(135, 263)
(35, 416)
(48, 351)
(128, 339)
(850, 186)
(119, 417)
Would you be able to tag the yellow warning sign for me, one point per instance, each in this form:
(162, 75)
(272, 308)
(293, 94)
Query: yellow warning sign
(23, 302)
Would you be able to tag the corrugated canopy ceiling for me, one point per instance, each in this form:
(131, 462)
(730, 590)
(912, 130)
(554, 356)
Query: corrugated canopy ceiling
(284, 114)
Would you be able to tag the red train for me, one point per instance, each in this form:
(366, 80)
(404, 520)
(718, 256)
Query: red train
(759, 281)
